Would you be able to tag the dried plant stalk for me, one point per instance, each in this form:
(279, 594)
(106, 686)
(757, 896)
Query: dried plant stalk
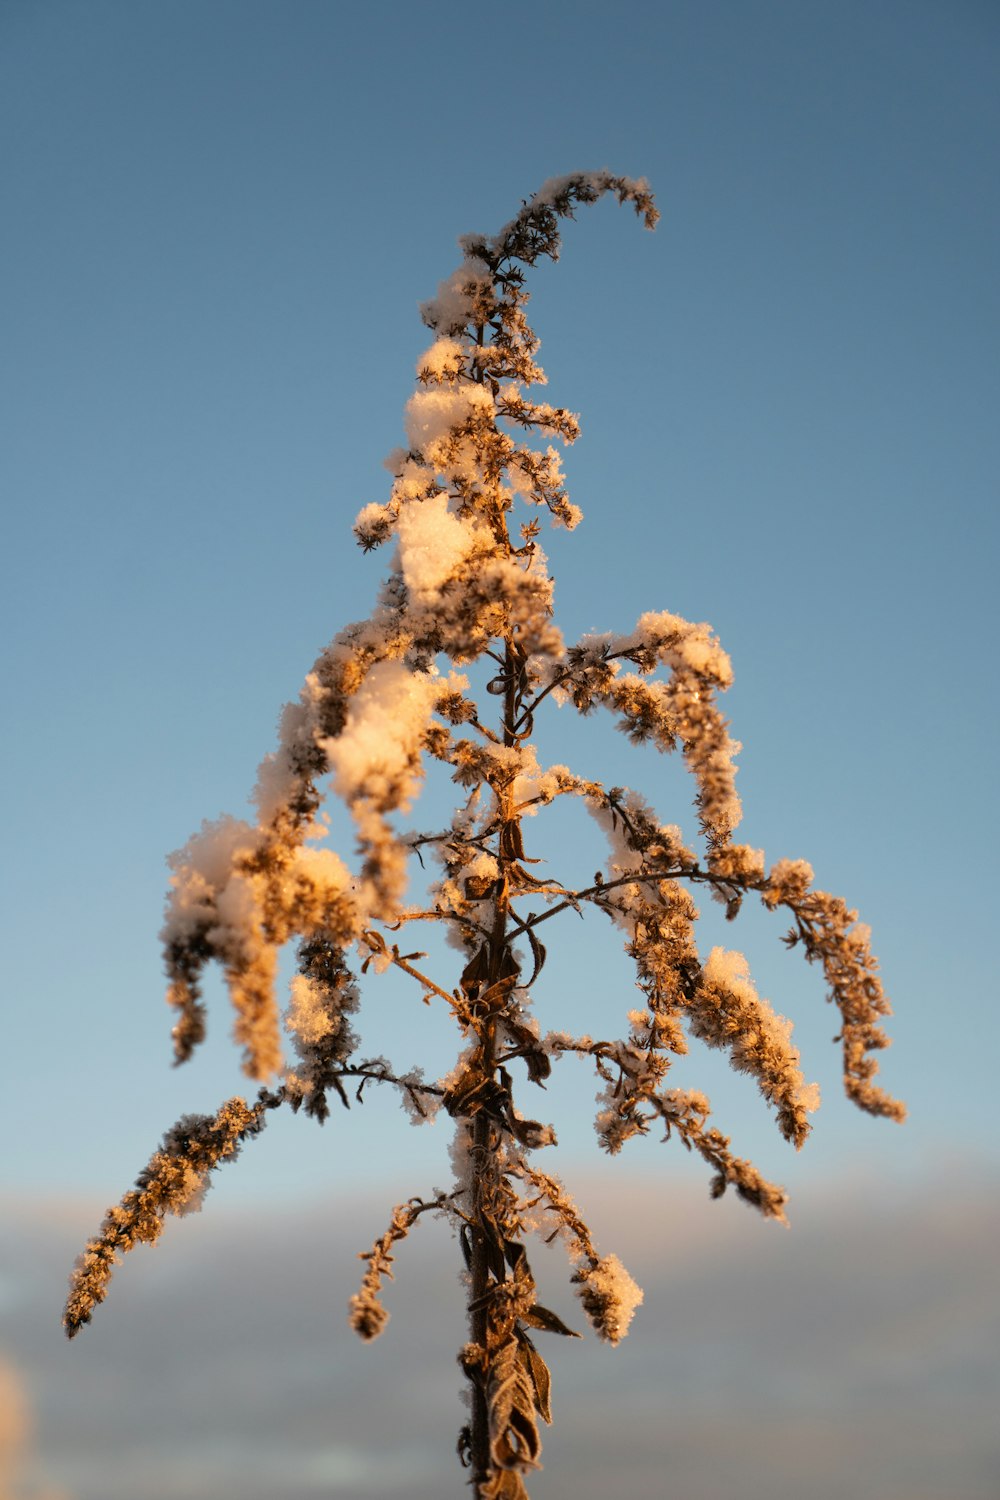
(382, 699)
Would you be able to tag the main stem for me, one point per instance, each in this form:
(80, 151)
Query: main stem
(478, 1288)
(486, 1129)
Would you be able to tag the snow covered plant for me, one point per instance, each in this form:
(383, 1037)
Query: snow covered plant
(381, 701)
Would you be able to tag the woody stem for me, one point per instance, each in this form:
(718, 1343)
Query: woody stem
(486, 1131)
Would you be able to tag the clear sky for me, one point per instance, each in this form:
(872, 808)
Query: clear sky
(219, 217)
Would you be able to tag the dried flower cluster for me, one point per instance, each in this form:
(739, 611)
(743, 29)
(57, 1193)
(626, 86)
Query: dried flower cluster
(383, 698)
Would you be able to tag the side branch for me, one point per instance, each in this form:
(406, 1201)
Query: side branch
(381, 950)
(174, 1182)
(594, 892)
(368, 1317)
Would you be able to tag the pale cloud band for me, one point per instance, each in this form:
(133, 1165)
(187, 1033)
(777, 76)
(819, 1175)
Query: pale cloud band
(853, 1355)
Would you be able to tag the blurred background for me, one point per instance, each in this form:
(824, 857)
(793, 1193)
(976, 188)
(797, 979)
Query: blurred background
(219, 220)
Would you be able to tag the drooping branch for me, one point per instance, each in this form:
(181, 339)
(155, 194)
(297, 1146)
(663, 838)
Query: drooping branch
(174, 1182)
(368, 1317)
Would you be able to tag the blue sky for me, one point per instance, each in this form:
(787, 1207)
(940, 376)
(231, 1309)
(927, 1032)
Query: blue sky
(219, 220)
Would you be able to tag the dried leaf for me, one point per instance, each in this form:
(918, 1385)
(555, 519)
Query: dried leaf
(537, 954)
(540, 1377)
(541, 1317)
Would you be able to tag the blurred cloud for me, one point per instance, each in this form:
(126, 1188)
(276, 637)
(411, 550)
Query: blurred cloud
(18, 1468)
(853, 1354)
